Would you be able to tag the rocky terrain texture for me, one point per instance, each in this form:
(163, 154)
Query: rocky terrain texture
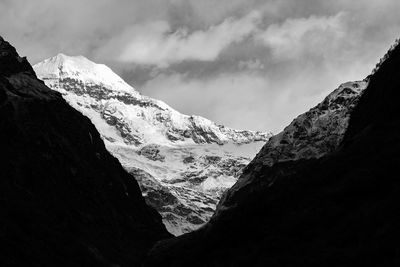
(340, 209)
(190, 180)
(65, 200)
(313, 134)
(318, 131)
(183, 163)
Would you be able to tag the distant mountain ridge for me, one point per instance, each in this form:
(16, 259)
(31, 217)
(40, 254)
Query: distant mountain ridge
(183, 163)
(82, 77)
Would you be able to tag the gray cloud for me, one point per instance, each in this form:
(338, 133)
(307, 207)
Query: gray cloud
(215, 57)
(155, 44)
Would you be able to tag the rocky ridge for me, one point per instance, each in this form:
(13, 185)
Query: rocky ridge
(312, 134)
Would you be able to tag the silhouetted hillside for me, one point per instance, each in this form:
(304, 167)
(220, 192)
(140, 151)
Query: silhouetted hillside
(65, 201)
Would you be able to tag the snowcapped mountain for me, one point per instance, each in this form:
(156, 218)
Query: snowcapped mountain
(138, 119)
(183, 163)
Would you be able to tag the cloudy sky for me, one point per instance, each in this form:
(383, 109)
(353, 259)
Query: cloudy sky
(248, 64)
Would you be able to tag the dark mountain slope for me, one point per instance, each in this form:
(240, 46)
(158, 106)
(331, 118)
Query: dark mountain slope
(65, 201)
(340, 210)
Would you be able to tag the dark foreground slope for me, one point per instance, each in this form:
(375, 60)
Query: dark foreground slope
(64, 200)
(340, 210)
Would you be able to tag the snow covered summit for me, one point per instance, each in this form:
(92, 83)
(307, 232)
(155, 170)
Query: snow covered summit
(134, 119)
(79, 68)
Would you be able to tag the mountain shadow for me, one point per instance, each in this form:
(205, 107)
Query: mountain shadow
(65, 201)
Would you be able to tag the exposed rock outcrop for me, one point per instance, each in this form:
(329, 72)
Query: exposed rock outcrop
(313, 134)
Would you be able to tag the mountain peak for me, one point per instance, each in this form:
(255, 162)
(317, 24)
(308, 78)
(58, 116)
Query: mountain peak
(62, 60)
(78, 61)
(82, 71)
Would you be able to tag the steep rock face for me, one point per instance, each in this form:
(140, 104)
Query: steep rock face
(65, 200)
(338, 210)
(316, 132)
(313, 134)
(186, 158)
